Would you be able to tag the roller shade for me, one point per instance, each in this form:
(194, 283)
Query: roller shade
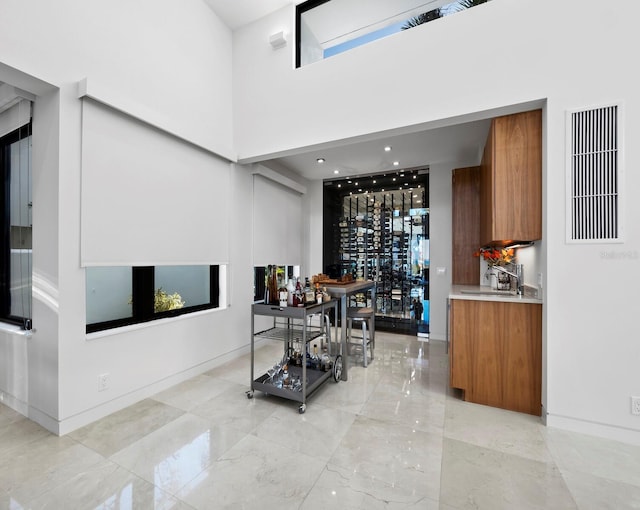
(277, 224)
(148, 198)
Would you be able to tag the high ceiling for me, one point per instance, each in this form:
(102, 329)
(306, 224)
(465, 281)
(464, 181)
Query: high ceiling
(237, 13)
(461, 143)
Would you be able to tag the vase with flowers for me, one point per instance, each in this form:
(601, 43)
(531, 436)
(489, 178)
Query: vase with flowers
(498, 257)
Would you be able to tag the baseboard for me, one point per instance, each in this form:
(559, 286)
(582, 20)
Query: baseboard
(71, 423)
(14, 403)
(624, 435)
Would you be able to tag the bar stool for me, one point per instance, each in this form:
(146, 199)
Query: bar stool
(366, 316)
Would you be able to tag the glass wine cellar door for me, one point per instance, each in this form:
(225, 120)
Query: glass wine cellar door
(377, 228)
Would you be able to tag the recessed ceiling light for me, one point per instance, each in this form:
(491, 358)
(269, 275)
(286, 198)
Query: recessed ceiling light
(320, 160)
(415, 176)
(359, 190)
(396, 163)
(355, 184)
(401, 175)
(387, 148)
(415, 196)
(394, 179)
(349, 182)
(336, 172)
(339, 185)
(374, 181)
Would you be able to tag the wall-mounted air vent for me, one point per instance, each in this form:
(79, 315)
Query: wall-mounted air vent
(593, 177)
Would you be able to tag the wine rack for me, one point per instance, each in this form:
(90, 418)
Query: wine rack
(374, 244)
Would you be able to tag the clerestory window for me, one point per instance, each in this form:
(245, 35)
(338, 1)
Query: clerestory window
(328, 27)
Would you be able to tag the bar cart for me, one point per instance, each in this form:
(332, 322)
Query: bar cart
(302, 370)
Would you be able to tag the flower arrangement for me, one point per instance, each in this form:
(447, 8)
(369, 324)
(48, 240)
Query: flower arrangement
(163, 302)
(496, 256)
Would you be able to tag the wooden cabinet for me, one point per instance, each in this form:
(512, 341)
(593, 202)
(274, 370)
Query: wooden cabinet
(511, 179)
(465, 226)
(496, 353)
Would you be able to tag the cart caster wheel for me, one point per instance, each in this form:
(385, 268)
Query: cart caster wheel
(302, 408)
(337, 368)
(249, 395)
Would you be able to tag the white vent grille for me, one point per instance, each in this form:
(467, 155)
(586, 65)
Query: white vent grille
(594, 182)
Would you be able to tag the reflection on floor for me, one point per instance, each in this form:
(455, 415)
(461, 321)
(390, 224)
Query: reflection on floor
(393, 436)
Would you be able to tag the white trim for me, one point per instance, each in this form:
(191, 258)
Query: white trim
(71, 423)
(149, 324)
(625, 435)
(153, 118)
(278, 178)
(12, 329)
(13, 402)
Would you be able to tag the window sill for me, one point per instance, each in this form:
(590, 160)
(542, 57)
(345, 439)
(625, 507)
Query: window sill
(12, 329)
(143, 325)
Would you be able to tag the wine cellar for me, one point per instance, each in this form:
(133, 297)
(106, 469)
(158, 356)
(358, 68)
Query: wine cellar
(377, 228)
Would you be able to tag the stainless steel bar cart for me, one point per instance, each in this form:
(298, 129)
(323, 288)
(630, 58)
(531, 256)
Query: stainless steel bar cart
(300, 372)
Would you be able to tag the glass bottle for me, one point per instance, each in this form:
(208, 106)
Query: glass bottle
(291, 289)
(273, 286)
(309, 293)
(283, 295)
(298, 294)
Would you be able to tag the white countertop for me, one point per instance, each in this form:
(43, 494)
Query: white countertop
(482, 293)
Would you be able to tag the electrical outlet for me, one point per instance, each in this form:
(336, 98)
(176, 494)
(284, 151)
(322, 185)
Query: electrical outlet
(635, 405)
(103, 382)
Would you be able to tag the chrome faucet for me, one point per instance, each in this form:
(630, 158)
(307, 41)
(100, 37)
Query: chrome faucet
(518, 275)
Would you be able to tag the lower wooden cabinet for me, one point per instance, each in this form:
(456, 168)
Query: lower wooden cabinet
(496, 353)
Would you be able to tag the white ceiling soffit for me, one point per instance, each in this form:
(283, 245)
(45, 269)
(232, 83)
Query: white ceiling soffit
(338, 21)
(237, 13)
(461, 143)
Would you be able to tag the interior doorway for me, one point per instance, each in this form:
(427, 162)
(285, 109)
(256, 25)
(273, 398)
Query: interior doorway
(377, 228)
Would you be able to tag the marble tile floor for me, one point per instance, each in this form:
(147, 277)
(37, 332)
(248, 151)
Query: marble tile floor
(394, 437)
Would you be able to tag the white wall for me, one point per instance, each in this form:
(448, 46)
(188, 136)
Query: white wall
(562, 55)
(169, 64)
(440, 240)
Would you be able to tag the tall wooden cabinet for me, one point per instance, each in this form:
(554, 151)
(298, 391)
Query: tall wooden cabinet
(465, 226)
(496, 353)
(511, 179)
